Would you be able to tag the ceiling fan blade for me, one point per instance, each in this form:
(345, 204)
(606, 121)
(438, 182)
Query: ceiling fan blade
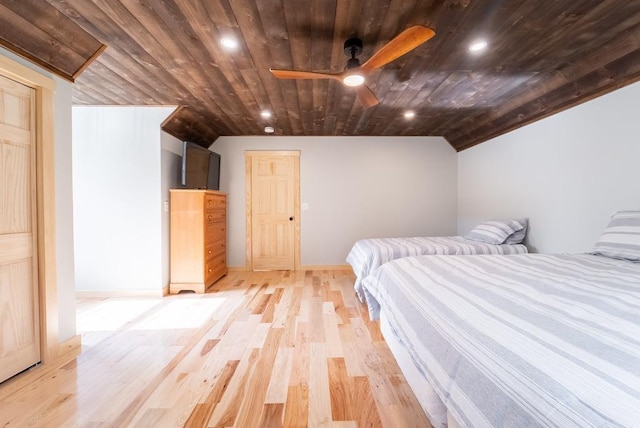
(366, 96)
(404, 42)
(295, 74)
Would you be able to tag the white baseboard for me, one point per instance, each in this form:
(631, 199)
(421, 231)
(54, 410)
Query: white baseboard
(122, 293)
(304, 267)
(325, 267)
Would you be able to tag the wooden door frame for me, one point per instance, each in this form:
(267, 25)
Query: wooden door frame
(248, 155)
(44, 88)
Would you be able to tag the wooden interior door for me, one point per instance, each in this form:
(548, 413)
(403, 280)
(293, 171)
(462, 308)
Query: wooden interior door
(19, 313)
(273, 210)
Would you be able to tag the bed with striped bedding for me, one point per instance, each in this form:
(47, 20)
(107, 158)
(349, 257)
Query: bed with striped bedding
(520, 341)
(368, 254)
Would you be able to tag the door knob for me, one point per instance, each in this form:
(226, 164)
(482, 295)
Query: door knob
(290, 218)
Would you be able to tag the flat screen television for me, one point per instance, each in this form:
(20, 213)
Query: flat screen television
(200, 167)
(213, 178)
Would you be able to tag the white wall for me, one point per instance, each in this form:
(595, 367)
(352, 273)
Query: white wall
(117, 178)
(65, 280)
(171, 158)
(568, 173)
(356, 187)
(65, 251)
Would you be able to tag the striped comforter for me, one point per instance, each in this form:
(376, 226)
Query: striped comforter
(367, 254)
(520, 341)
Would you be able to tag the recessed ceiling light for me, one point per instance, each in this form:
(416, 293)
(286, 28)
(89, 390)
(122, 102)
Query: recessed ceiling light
(409, 114)
(269, 130)
(229, 42)
(266, 114)
(477, 46)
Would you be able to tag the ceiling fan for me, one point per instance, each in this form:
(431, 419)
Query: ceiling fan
(355, 74)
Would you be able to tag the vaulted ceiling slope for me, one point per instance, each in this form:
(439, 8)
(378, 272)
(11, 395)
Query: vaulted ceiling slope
(543, 56)
(43, 35)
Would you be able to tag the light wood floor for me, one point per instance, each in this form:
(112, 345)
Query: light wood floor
(265, 349)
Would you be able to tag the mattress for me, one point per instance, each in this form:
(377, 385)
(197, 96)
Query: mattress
(368, 254)
(525, 340)
(424, 392)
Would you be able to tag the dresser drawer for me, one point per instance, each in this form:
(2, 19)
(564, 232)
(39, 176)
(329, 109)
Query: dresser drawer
(215, 201)
(215, 248)
(215, 268)
(215, 232)
(215, 216)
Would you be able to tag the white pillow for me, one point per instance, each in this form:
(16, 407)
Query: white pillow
(518, 237)
(621, 238)
(494, 231)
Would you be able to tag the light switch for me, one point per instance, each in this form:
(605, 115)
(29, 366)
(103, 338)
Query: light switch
(304, 206)
(166, 205)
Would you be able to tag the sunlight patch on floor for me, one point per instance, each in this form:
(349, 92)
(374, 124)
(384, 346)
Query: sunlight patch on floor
(182, 313)
(113, 314)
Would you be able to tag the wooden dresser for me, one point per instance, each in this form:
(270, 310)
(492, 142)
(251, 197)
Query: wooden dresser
(198, 239)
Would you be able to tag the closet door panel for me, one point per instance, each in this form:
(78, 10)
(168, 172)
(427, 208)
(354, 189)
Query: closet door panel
(19, 324)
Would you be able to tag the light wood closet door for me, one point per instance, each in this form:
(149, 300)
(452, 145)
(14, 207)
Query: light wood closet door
(19, 325)
(274, 210)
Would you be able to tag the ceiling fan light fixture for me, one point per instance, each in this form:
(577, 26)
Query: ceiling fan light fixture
(355, 74)
(353, 79)
(352, 63)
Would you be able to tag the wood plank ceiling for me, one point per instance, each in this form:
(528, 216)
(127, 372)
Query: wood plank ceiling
(40, 33)
(543, 56)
